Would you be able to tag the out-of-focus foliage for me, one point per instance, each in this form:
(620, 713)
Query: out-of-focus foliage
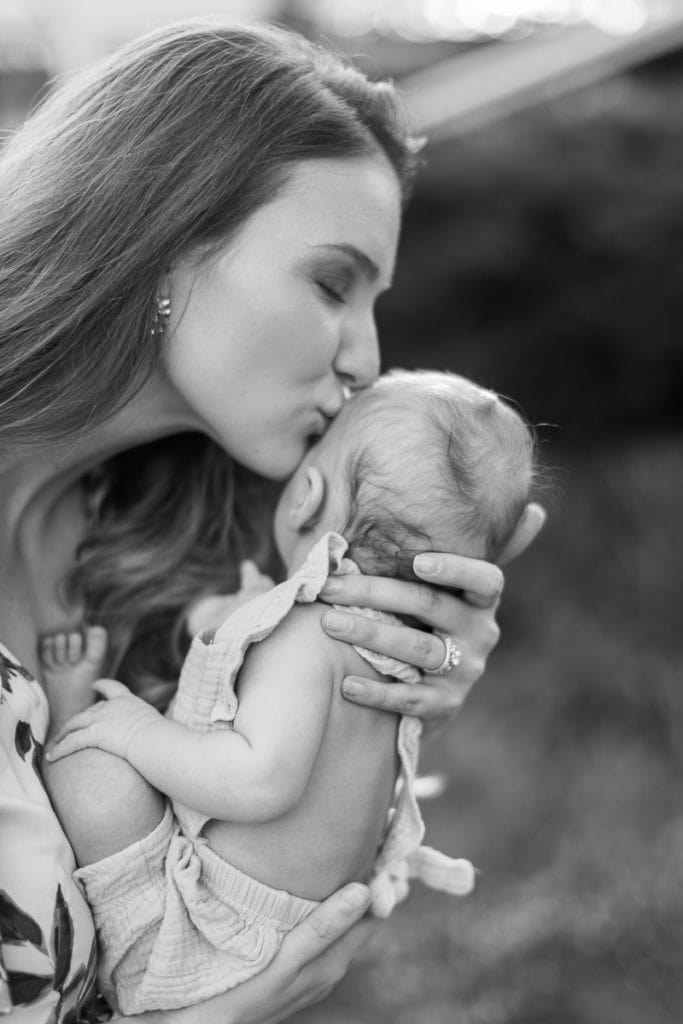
(544, 256)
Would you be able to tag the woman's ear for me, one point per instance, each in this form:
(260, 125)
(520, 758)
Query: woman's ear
(309, 500)
(531, 521)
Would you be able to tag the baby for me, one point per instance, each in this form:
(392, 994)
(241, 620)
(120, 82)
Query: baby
(280, 790)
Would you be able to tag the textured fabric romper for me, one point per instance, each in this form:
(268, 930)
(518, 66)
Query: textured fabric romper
(177, 923)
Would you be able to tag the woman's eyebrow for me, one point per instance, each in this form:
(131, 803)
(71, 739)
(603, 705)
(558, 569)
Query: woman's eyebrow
(367, 266)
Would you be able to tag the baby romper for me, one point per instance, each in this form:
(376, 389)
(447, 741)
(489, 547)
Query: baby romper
(177, 923)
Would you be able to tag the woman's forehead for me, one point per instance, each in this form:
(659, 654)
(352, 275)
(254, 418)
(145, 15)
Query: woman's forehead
(330, 201)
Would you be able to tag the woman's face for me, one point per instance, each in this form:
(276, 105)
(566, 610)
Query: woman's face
(265, 337)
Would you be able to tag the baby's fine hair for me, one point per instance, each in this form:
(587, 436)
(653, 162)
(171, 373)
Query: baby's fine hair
(437, 464)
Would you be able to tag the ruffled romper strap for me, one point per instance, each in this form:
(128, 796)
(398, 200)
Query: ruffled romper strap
(402, 855)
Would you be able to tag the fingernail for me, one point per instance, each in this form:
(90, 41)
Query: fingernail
(337, 622)
(355, 896)
(332, 587)
(352, 687)
(425, 564)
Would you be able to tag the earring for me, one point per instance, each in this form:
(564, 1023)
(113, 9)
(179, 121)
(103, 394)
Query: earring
(161, 316)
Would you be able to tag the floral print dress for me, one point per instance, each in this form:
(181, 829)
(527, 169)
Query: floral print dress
(47, 941)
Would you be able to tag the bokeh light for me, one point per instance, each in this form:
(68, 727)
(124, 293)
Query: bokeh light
(463, 20)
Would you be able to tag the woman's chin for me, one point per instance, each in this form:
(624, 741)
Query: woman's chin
(282, 466)
(281, 461)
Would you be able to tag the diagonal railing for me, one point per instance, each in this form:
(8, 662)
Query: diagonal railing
(491, 81)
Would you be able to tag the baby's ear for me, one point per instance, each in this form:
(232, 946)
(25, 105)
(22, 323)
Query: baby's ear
(531, 521)
(309, 501)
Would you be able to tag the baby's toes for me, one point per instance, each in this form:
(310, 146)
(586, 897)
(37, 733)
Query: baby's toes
(74, 647)
(95, 646)
(47, 652)
(54, 651)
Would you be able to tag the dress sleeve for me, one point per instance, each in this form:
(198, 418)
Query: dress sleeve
(47, 939)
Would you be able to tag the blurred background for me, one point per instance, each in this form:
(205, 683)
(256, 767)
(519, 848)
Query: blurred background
(542, 254)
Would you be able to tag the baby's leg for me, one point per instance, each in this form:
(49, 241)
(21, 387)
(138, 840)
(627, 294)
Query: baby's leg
(71, 664)
(102, 803)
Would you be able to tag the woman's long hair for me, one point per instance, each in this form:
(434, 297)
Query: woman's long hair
(174, 141)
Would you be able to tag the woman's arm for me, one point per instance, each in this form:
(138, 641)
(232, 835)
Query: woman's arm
(467, 616)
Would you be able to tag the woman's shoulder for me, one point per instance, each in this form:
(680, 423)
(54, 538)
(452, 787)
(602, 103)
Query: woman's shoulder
(47, 942)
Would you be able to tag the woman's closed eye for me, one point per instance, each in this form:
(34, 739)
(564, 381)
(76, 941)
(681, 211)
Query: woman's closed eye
(334, 278)
(333, 289)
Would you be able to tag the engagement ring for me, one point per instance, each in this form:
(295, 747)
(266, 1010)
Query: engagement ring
(451, 658)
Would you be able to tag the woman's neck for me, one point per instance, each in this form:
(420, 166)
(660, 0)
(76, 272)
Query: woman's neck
(39, 477)
(42, 505)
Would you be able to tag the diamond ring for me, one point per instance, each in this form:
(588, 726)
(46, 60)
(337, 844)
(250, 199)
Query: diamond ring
(451, 658)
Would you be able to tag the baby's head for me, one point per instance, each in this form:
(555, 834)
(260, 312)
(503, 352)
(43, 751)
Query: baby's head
(422, 461)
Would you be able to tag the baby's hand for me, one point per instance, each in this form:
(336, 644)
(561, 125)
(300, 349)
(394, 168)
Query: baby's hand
(111, 724)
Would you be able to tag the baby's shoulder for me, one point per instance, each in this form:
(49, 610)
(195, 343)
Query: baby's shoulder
(300, 639)
(300, 636)
(298, 650)
(345, 659)
(302, 625)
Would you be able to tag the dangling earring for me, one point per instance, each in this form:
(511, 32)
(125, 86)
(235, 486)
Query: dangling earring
(162, 313)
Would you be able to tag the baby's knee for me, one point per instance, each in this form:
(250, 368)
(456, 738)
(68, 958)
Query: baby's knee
(110, 807)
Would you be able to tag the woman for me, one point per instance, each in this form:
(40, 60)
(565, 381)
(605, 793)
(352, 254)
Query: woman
(192, 238)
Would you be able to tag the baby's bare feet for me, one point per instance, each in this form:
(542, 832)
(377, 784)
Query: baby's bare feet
(71, 663)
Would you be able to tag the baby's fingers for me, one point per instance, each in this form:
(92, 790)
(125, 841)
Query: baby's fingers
(111, 688)
(82, 720)
(70, 744)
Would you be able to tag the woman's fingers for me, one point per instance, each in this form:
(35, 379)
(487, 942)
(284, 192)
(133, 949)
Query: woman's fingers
(531, 521)
(480, 583)
(316, 955)
(414, 646)
(475, 635)
(467, 619)
(428, 604)
(317, 979)
(427, 700)
(475, 638)
(312, 959)
(329, 923)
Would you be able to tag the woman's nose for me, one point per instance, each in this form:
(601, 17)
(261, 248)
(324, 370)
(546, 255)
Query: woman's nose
(358, 360)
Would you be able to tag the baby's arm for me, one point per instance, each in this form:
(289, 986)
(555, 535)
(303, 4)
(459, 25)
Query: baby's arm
(256, 772)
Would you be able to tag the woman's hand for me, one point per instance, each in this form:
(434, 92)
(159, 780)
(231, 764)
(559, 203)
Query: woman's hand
(469, 620)
(313, 958)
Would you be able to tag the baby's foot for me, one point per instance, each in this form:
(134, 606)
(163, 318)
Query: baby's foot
(71, 663)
